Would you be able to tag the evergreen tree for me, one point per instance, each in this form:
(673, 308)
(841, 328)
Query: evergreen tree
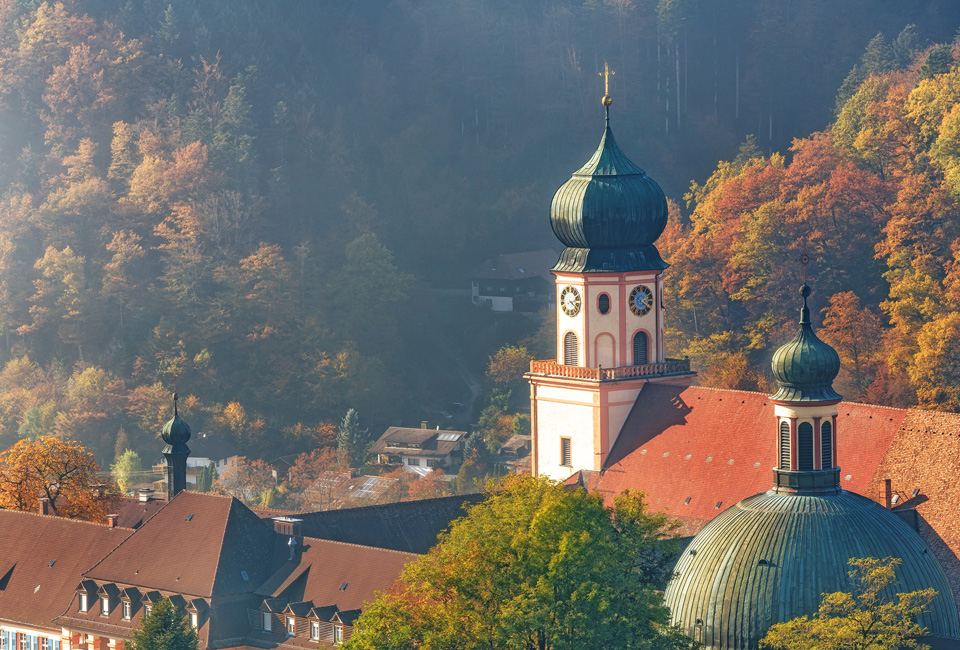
(164, 629)
(352, 440)
(206, 478)
(939, 60)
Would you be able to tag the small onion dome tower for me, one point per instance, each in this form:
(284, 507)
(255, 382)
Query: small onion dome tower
(806, 408)
(769, 558)
(609, 214)
(175, 434)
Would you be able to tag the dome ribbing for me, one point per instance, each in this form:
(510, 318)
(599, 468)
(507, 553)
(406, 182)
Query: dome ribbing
(805, 367)
(769, 558)
(609, 214)
(176, 432)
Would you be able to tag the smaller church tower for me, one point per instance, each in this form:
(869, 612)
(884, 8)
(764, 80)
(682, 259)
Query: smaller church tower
(175, 434)
(806, 411)
(610, 320)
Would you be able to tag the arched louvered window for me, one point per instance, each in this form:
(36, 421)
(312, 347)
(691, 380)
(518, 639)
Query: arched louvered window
(826, 446)
(784, 444)
(570, 349)
(639, 348)
(805, 446)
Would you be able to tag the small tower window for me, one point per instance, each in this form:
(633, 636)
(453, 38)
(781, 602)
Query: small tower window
(826, 446)
(805, 446)
(784, 444)
(639, 348)
(603, 303)
(565, 455)
(570, 349)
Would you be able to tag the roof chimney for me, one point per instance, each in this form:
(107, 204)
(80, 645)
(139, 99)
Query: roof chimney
(423, 424)
(145, 494)
(887, 493)
(44, 506)
(288, 526)
(112, 521)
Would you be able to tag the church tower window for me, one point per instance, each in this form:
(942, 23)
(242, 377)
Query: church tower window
(639, 348)
(805, 446)
(571, 349)
(784, 444)
(603, 303)
(566, 458)
(826, 446)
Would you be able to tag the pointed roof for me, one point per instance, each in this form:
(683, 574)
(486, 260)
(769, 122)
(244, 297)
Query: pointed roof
(805, 366)
(609, 159)
(200, 545)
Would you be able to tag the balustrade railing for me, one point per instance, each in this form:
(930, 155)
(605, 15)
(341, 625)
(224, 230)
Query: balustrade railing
(668, 367)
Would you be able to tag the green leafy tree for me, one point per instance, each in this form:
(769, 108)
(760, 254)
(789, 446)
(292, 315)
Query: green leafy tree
(165, 628)
(534, 567)
(126, 469)
(867, 618)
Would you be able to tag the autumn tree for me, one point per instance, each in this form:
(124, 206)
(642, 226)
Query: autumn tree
(534, 566)
(247, 479)
(165, 628)
(855, 333)
(866, 618)
(62, 472)
(126, 470)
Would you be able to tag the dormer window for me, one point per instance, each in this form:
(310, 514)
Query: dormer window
(127, 610)
(194, 620)
(84, 604)
(337, 634)
(147, 609)
(291, 626)
(267, 622)
(105, 605)
(315, 630)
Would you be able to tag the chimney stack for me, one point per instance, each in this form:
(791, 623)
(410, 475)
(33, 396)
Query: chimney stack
(423, 424)
(44, 506)
(145, 494)
(887, 493)
(112, 521)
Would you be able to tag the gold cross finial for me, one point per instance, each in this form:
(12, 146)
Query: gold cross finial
(606, 83)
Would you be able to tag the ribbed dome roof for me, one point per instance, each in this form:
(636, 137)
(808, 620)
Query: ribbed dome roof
(176, 432)
(805, 367)
(769, 558)
(609, 214)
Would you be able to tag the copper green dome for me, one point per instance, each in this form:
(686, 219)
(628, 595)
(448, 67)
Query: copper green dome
(176, 432)
(609, 214)
(769, 558)
(805, 367)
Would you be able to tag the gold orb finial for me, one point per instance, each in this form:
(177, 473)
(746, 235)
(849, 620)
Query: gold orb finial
(607, 99)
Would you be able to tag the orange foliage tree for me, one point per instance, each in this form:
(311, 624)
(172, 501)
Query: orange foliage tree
(62, 472)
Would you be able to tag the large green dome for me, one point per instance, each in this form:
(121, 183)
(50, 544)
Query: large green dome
(769, 558)
(609, 214)
(805, 367)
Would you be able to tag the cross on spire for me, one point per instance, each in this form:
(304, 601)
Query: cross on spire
(804, 260)
(607, 100)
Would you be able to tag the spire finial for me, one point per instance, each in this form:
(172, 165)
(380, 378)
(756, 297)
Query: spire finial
(607, 100)
(804, 289)
(175, 414)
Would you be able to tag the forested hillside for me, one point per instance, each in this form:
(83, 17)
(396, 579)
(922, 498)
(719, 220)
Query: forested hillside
(257, 199)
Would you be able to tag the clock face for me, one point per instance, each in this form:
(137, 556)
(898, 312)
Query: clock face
(570, 301)
(641, 300)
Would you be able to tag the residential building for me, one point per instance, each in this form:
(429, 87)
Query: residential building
(420, 450)
(514, 281)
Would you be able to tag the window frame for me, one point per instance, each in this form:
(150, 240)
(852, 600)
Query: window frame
(566, 451)
(600, 303)
(291, 626)
(337, 634)
(127, 607)
(266, 621)
(84, 602)
(195, 620)
(104, 605)
(314, 630)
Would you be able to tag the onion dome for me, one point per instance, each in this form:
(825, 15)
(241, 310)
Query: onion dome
(769, 558)
(609, 213)
(806, 366)
(176, 433)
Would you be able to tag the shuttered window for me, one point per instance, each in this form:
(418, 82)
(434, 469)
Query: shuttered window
(805, 446)
(826, 446)
(639, 349)
(603, 303)
(570, 349)
(784, 444)
(565, 457)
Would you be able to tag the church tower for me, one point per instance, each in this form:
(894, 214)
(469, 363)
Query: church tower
(610, 326)
(175, 434)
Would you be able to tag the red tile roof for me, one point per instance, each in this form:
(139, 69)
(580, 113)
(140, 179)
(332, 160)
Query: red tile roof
(46, 557)
(197, 545)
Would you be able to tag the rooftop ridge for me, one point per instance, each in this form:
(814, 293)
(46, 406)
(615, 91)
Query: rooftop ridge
(384, 506)
(51, 517)
(363, 546)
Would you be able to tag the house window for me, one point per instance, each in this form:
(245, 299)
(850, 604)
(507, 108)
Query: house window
(291, 626)
(105, 605)
(147, 609)
(805, 446)
(413, 462)
(126, 610)
(565, 456)
(315, 630)
(603, 303)
(194, 620)
(639, 348)
(44, 643)
(826, 446)
(267, 622)
(83, 602)
(784, 444)
(570, 349)
(338, 634)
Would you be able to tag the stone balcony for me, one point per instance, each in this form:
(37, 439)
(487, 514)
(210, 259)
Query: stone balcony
(551, 368)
